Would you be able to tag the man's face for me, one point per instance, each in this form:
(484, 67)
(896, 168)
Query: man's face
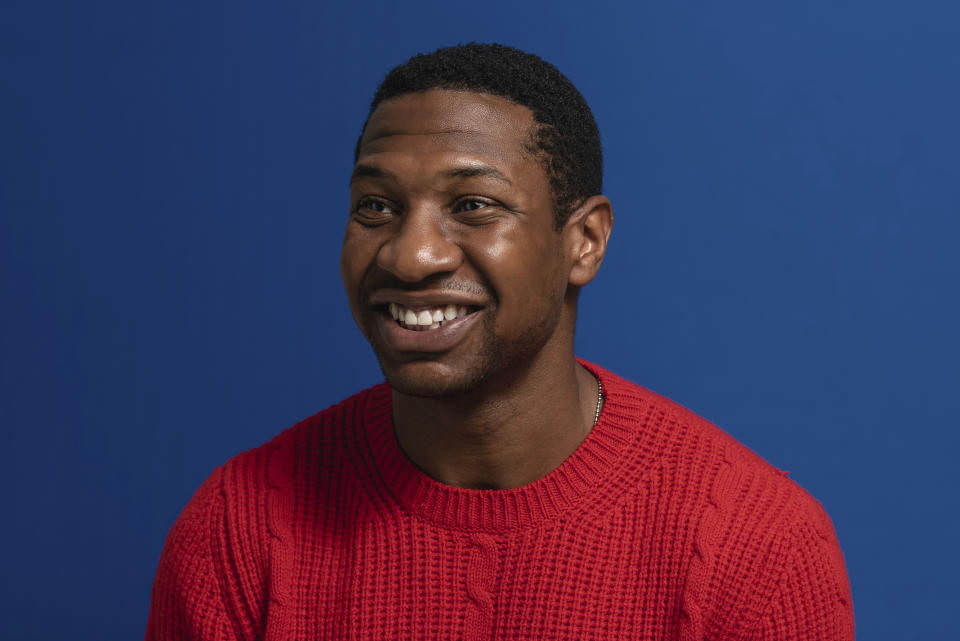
(451, 262)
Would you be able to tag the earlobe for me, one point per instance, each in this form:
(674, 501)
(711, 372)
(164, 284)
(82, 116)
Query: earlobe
(589, 228)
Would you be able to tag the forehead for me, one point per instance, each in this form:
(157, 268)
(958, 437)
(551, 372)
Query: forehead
(462, 121)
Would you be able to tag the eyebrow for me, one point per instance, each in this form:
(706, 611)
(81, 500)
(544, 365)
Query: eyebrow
(470, 171)
(368, 171)
(484, 171)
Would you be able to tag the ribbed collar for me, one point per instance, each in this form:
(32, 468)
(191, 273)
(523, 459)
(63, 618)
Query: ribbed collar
(595, 463)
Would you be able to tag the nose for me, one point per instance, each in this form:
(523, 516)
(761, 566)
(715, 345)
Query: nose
(419, 248)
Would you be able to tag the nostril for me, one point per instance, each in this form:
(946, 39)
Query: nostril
(416, 263)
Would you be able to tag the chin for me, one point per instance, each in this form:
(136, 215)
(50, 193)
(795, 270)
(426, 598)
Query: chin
(428, 380)
(483, 365)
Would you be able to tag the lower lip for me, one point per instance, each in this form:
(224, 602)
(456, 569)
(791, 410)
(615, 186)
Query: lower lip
(428, 340)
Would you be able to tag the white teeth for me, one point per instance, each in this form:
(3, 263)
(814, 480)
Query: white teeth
(432, 318)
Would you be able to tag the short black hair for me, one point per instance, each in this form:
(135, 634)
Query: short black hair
(566, 137)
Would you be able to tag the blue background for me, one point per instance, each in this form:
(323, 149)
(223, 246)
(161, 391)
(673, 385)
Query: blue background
(173, 188)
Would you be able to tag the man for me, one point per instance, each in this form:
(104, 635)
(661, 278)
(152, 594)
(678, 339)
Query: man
(494, 487)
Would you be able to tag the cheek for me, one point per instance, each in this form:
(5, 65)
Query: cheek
(524, 270)
(356, 249)
(356, 256)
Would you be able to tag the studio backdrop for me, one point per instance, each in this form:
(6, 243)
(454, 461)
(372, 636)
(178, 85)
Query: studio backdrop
(173, 193)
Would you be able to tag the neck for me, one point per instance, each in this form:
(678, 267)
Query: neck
(502, 438)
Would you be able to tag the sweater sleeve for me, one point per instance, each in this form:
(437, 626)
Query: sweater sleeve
(811, 600)
(186, 603)
(773, 570)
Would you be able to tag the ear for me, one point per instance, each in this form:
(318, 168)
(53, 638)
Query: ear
(586, 234)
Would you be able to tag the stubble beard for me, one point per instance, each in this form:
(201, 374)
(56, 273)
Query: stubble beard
(497, 363)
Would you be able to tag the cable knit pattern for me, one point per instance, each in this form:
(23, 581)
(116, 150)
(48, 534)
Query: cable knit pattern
(279, 519)
(659, 526)
(698, 574)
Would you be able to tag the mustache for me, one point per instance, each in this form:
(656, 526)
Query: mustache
(437, 283)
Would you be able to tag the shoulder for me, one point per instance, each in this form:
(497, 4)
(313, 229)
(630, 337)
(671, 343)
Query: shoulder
(238, 525)
(673, 438)
(239, 502)
(712, 465)
(746, 492)
(328, 429)
(320, 442)
(761, 551)
(188, 542)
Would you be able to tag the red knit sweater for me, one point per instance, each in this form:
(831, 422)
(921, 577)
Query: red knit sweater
(659, 526)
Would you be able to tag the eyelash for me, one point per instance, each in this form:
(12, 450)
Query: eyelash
(376, 217)
(371, 217)
(482, 202)
(365, 202)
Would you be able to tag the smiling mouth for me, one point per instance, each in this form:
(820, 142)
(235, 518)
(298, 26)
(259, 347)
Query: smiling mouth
(427, 318)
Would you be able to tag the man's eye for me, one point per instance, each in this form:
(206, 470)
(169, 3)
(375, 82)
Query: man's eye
(472, 205)
(373, 205)
(372, 212)
(477, 211)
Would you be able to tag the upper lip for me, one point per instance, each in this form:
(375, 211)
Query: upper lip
(422, 299)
